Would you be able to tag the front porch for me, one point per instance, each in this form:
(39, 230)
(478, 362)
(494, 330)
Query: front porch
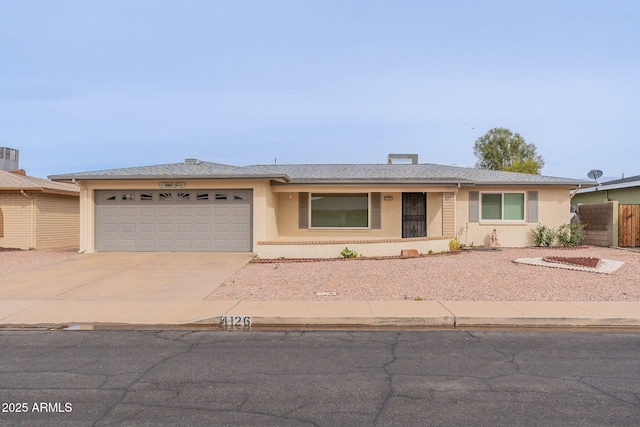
(321, 222)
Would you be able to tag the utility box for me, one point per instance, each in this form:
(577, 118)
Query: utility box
(9, 159)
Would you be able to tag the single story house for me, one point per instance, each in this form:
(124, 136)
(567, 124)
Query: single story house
(313, 210)
(38, 213)
(625, 191)
(610, 212)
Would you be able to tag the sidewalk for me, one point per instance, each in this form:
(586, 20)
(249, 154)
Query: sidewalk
(320, 314)
(146, 289)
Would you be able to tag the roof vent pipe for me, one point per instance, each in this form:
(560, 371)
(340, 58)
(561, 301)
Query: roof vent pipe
(191, 161)
(402, 159)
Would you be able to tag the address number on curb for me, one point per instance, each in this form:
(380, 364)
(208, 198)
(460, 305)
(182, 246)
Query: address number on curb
(235, 321)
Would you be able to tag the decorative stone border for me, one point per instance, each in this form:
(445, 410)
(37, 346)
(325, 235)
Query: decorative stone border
(607, 266)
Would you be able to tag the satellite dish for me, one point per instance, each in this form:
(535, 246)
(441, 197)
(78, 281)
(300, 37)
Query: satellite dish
(595, 174)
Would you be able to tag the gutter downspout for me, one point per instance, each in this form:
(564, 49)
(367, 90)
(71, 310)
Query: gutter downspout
(575, 192)
(33, 219)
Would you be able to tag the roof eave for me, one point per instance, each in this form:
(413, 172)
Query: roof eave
(283, 178)
(42, 190)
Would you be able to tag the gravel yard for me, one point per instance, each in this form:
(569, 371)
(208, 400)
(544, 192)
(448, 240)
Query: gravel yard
(11, 260)
(467, 275)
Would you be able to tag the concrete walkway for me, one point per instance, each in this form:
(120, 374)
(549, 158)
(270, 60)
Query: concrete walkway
(144, 289)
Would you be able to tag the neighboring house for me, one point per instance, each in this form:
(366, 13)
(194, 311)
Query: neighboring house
(313, 210)
(625, 191)
(610, 212)
(38, 213)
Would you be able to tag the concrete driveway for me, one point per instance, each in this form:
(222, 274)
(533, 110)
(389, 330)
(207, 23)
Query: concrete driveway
(129, 283)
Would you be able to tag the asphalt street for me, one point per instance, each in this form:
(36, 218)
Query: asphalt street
(263, 378)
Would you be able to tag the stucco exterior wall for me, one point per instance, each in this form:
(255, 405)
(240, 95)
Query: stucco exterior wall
(554, 209)
(625, 196)
(434, 214)
(391, 215)
(332, 249)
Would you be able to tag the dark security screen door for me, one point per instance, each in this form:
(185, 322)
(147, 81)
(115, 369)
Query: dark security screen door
(414, 215)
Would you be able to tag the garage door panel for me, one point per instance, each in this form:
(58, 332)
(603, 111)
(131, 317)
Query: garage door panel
(184, 228)
(165, 227)
(146, 227)
(147, 244)
(203, 228)
(202, 220)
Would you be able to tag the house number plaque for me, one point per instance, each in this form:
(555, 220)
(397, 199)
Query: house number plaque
(172, 185)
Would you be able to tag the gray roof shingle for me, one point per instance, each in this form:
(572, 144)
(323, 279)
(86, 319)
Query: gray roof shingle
(330, 174)
(11, 181)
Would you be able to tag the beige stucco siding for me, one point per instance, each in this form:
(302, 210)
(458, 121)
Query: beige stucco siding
(287, 221)
(553, 210)
(391, 214)
(434, 214)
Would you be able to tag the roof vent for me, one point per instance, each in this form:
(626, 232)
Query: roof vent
(402, 159)
(191, 161)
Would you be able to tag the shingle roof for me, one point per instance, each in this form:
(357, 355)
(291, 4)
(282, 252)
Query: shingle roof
(419, 173)
(11, 181)
(631, 179)
(329, 174)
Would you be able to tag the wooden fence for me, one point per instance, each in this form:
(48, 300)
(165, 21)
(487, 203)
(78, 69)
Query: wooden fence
(629, 225)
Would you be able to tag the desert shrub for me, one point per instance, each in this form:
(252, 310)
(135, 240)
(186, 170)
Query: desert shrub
(543, 235)
(570, 234)
(348, 253)
(454, 244)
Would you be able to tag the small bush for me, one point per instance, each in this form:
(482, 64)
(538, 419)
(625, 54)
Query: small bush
(543, 235)
(570, 234)
(348, 253)
(454, 244)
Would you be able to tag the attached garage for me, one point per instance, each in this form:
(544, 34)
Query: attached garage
(173, 220)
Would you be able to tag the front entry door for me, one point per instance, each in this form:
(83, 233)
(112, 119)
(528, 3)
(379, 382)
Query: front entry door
(414, 215)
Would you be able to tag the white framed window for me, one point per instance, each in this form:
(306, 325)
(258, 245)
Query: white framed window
(508, 207)
(339, 210)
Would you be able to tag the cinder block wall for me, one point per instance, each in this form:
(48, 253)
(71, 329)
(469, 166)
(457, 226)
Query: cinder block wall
(600, 221)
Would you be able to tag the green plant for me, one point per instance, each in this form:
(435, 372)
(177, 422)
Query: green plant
(348, 253)
(543, 235)
(430, 251)
(570, 234)
(418, 299)
(454, 244)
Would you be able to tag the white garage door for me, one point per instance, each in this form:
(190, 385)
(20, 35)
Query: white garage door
(173, 220)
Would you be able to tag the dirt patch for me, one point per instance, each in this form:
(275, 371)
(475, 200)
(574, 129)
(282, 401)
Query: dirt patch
(588, 262)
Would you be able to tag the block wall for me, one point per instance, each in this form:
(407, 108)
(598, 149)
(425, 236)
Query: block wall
(600, 223)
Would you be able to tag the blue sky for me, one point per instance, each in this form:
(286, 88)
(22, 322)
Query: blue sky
(87, 85)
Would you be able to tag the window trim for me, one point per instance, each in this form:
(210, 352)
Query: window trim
(310, 213)
(502, 220)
